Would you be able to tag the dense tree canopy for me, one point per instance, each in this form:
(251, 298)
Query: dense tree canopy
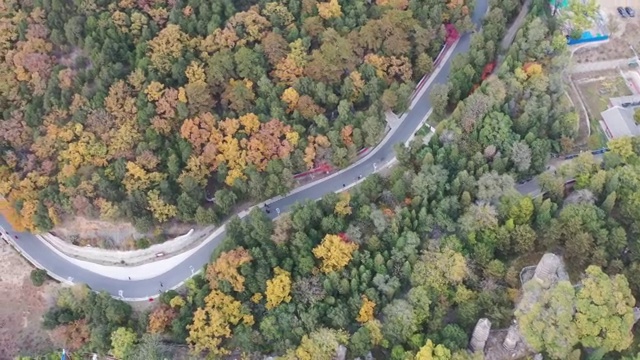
(404, 264)
(131, 109)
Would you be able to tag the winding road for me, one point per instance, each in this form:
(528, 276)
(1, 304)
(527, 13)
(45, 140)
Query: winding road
(137, 290)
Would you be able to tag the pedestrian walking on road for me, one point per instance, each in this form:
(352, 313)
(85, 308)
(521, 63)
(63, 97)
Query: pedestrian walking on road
(161, 284)
(129, 277)
(344, 185)
(359, 177)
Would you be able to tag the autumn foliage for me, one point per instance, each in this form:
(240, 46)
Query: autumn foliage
(335, 252)
(219, 142)
(366, 310)
(160, 318)
(12, 216)
(342, 207)
(278, 288)
(72, 336)
(226, 268)
(129, 111)
(213, 323)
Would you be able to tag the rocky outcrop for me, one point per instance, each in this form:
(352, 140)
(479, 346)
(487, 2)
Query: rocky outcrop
(480, 335)
(513, 336)
(546, 271)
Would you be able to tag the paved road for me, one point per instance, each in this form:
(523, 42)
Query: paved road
(142, 289)
(517, 23)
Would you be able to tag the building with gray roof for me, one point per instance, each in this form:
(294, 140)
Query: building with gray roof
(618, 121)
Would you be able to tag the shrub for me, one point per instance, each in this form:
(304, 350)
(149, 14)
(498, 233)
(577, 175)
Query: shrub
(166, 297)
(143, 243)
(38, 276)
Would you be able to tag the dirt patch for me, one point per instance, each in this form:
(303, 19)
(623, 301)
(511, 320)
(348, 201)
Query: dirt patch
(21, 307)
(119, 235)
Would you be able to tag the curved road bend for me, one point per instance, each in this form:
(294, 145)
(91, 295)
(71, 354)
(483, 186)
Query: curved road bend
(142, 289)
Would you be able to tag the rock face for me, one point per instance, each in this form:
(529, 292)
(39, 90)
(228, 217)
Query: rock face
(547, 268)
(480, 335)
(636, 314)
(513, 336)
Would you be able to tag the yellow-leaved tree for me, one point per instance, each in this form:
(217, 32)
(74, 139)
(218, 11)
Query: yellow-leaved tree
(375, 331)
(167, 47)
(278, 288)
(329, 9)
(226, 268)
(137, 178)
(322, 344)
(195, 73)
(533, 69)
(342, 206)
(431, 352)
(291, 97)
(177, 302)
(212, 323)
(250, 123)
(366, 310)
(154, 91)
(161, 210)
(335, 252)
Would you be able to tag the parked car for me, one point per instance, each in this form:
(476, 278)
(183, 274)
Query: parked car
(630, 11)
(622, 12)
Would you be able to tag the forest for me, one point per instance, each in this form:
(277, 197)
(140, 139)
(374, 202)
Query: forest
(141, 110)
(403, 265)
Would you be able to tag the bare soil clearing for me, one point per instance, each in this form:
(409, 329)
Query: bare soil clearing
(21, 307)
(121, 235)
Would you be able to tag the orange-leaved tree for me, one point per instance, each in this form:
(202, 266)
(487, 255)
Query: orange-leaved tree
(226, 268)
(160, 318)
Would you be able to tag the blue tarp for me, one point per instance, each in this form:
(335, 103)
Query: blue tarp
(560, 4)
(587, 37)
